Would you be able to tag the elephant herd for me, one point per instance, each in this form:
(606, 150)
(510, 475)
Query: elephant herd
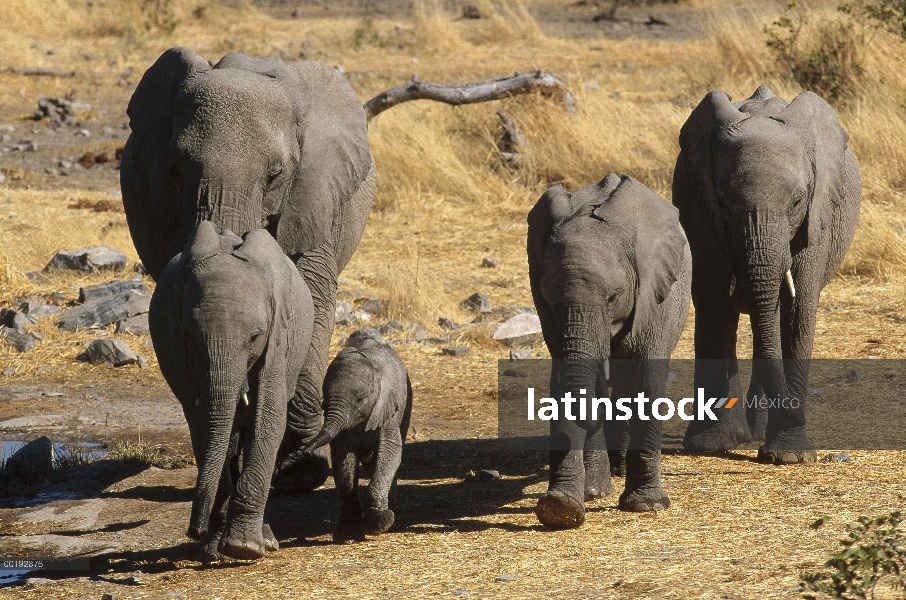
(247, 187)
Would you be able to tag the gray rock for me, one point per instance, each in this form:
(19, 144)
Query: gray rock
(110, 288)
(108, 596)
(671, 377)
(140, 269)
(137, 325)
(417, 332)
(111, 351)
(361, 316)
(487, 474)
(104, 311)
(391, 326)
(447, 324)
(32, 463)
(477, 302)
(489, 262)
(18, 340)
(458, 351)
(369, 333)
(14, 319)
(838, 457)
(441, 339)
(33, 307)
(89, 260)
(36, 335)
(142, 361)
(517, 355)
(343, 313)
(9, 371)
(514, 373)
(38, 277)
(376, 307)
(502, 578)
(854, 376)
(522, 330)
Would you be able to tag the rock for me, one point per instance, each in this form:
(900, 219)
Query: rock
(110, 288)
(839, 457)
(38, 277)
(487, 474)
(108, 596)
(14, 319)
(18, 340)
(9, 371)
(514, 373)
(502, 578)
(89, 260)
(417, 332)
(36, 335)
(592, 86)
(441, 339)
(137, 325)
(104, 311)
(470, 11)
(112, 351)
(376, 307)
(343, 313)
(517, 355)
(854, 376)
(813, 393)
(522, 330)
(671, 377)
(477, 302)
(457, 351)
(447, 324)
(140, 269)
(361, 316)
(390, 326)
(142, 361)
(369, 333)
(489, 262)
(35, 308)
(59, 110)
(32, 463)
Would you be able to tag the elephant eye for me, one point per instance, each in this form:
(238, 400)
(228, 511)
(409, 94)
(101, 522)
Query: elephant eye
(273, 173)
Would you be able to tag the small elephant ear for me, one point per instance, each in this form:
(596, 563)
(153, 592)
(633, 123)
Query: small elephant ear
(659, 244)
(335, 154)
(236, 60)
(203, 243)
(260, 248)
(698, 132)
(826, 144)
(391, 396)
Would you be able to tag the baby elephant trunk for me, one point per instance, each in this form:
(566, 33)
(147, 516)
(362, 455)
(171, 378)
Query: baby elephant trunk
(336, 419)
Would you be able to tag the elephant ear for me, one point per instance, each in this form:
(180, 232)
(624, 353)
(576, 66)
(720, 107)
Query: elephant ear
(335, 155)
(659, 244)
(165, 322)
(698, 133)
(826, 143)
(203, 243)
(144, 171)
(391, 397)
(236, 60)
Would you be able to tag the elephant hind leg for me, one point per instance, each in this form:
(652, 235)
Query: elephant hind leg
(643, 483)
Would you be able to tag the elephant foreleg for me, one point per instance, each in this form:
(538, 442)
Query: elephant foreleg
(597, 465)
(378, 516)
(563, 506)
(346, 478)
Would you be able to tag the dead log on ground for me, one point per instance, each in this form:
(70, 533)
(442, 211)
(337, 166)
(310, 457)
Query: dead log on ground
(469, 93)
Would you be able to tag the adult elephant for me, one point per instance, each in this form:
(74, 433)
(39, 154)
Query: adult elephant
(252, 144)
(768, 193)
(610, 272)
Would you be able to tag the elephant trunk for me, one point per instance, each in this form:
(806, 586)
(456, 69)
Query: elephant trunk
(225, 377)
(237, 207)
(336, 418)
(586, 352)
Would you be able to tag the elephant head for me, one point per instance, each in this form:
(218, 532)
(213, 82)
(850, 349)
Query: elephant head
(232, 320)
(767, 177)
(601, 260)
(247, 144)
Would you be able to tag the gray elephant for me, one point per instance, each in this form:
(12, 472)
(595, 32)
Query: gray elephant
(252, 144)
(231, 320)
(610, 271)
(367, 408)
(768, 193)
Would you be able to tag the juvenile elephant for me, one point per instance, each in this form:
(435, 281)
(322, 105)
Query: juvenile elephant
(768, 193)
(610, 272)
(231, 320)
(367, 408)
(252, 144)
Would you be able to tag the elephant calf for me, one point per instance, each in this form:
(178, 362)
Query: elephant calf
(231, 320)
(367, 407)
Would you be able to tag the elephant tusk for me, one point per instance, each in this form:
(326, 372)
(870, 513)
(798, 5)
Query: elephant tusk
(732, 284)
(607, 369)
(245, 399)
(788, 277)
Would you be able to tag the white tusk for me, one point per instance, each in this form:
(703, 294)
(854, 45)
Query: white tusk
(732, 284)
(607, 369)
(788, 277)
(245, 399)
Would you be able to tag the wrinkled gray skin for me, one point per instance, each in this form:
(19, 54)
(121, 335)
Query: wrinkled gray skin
(610, 271)
(367, 407)
(231, 321)
(763, 186)
(252, 144)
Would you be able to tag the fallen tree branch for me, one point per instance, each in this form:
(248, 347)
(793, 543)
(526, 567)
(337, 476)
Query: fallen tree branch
(469, 93)
(38, 71)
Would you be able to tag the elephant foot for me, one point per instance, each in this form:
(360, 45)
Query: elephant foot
(757, 418)
(716, 439)
(243, 545)
(378, 521)
(302, 474)
(558, 510)
(597, 474)
(209, 553)
(643, 483)
(787, 447)
(270, 540)
(617, 463)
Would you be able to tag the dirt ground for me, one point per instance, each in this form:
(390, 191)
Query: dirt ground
(736, 528)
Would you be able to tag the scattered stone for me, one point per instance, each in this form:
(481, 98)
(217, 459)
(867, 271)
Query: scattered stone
(366, 333)
(477, 301)
(854, 376)
(111, 351)
(592, 86)
(813, 393)
(671, 377)
(18, 340)
(361, 316)
(505, 578)
(447, 324)
(656, 20)
(517, 355)
(89, 260)
(110, 288)
(838, 457)
(343, 313)
(64, 164)
(32, 463)
(104, 311)
(35, 308)
(470, 11)
(83, 133)
(489, 262)
(38, 277)
(458, 351)
(142, 361)
(514, 373)
(25, 146)
(59, 110)
(137, 325)
(376, 307)
(140, 269)
(417, 332)
(36, 335)
(390, 326)
(15, 319)
(108, 596)
(9, 371)
(485, 474)
(441, 339)
(522, 330)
